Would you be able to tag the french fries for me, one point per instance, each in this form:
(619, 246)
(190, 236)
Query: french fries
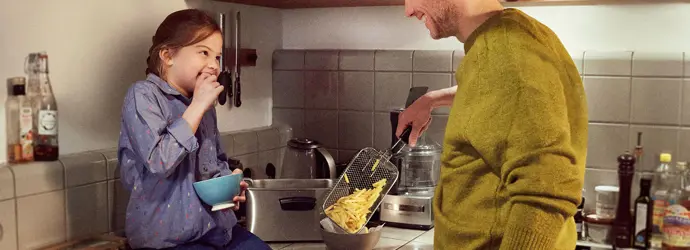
(350, 212)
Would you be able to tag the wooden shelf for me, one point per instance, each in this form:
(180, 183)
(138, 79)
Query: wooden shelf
(298, 4)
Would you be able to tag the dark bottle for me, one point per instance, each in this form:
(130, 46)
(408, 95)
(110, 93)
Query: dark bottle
(622, 224)
(643, 216)
(579, 220)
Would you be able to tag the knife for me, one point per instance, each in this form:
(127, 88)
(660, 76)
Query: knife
(238, 86)
(224, 77)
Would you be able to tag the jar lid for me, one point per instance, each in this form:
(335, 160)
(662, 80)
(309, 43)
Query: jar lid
(594, 219)
(606, 189)
(303, 143)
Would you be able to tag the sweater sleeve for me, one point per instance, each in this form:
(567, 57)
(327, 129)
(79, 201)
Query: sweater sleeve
(520, 126)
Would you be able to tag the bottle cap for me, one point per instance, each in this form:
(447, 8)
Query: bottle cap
(665, 158)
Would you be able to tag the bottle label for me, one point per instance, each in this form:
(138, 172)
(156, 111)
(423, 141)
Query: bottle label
(578, 226)
(47, 120)
(658, 215)
(677, 226)
(26, 133)
(640, 224)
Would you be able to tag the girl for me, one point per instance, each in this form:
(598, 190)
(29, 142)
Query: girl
(169, 140)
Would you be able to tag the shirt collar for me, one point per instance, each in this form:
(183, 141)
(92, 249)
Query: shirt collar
(162, 84)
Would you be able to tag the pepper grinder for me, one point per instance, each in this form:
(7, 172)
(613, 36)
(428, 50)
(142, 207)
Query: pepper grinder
(622, 224)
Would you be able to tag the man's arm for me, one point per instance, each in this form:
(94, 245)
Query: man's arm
(419, 113)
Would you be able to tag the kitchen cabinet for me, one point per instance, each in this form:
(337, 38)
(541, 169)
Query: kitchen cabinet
(297, 4)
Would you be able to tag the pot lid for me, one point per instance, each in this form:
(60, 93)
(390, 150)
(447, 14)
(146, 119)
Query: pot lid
(303, 143)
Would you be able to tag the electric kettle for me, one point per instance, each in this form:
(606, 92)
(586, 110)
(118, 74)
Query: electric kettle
(307, 159)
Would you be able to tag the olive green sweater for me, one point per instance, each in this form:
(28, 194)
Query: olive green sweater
(515, 144)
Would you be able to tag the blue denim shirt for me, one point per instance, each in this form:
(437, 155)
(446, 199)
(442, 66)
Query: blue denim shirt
(159, 160)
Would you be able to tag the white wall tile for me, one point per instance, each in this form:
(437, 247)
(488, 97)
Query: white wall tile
(660, 64)
(322, 126)
(458, 55)
(656, 101)
(288, 59)
(391, 90)
(432, 60)
(608, 98)
(84, 168)
(111, 162)
(355, 130)
(321, 89)
(356, 91)
(6, 183)
(8, 225)
(356, 60)
(38, 177)
(685, 108)
(294, 118)
(605, 142)
(393, 60)
(41, 220)
(321, 60)
(288, 89)
(269, 138)
(608, 63)
(246, 142)
(227, 143)
(87, 210)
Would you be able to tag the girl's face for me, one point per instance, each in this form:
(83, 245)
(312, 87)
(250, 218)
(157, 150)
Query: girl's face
(189, 62)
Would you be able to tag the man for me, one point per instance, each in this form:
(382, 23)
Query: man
(516, 139)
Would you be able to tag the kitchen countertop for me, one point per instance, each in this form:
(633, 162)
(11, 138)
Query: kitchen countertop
(392, 238)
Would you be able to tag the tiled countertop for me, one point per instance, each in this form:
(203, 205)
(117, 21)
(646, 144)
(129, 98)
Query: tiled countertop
(391, 238)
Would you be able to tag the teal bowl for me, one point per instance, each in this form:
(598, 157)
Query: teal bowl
(218, 192)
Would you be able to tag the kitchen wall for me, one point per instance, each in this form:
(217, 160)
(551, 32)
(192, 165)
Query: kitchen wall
(638, 27)
(95, 56)
(342, 98)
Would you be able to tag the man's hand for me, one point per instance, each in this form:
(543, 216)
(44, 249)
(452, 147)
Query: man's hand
(243, 188)
(418, 115)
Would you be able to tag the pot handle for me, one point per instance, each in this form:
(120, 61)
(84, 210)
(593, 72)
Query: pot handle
(329, 161)
(297, 203)
(249, 181)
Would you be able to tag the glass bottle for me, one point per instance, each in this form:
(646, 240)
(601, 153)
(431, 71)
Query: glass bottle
(47, 148)
(676, 224)
(26, 123)
(643, 216)
(14, 146)
(660, 186)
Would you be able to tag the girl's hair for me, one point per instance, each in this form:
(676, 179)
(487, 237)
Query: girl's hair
(181, 28)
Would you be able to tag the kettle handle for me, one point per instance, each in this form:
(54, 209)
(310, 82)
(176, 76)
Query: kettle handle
(329, 160)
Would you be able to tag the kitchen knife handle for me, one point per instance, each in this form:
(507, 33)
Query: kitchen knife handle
(297, 203)
(238, 92)
(224, 80)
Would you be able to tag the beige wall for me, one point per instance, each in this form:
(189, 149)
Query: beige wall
(98, 48)
(639, 27)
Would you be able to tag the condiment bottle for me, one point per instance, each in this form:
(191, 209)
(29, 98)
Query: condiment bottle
(622, 224)
(643, 216)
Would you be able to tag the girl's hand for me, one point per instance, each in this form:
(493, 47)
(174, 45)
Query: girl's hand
(243, 187)
(206, 90)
